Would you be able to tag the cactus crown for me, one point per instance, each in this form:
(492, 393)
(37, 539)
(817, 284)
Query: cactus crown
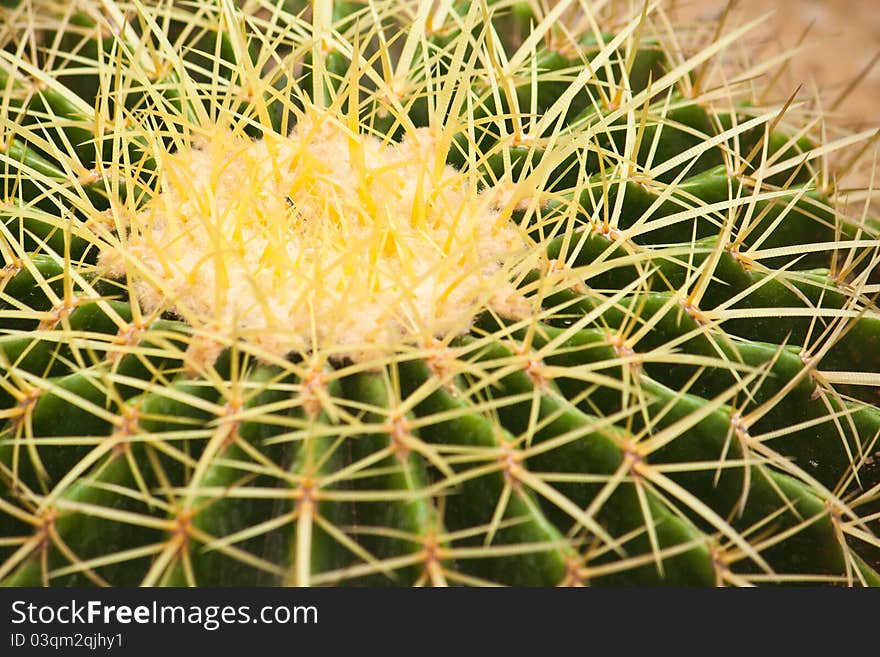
(327, 240)
(399, 291)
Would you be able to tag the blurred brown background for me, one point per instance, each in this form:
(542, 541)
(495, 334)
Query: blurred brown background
(843, 40)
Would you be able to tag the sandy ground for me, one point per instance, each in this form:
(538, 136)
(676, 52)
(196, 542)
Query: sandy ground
(843, 38)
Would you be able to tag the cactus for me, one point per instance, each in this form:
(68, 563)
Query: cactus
(399, 292)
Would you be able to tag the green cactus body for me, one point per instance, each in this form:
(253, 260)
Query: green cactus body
(383, 293)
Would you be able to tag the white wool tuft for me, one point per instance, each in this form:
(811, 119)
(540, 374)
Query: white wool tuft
(323, 240)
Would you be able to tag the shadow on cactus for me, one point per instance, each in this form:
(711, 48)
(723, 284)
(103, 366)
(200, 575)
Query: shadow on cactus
(378, 293)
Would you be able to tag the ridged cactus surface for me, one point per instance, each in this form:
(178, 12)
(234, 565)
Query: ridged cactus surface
(406, 292)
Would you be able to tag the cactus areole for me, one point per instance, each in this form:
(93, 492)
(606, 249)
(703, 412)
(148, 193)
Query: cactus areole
(399, 292)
